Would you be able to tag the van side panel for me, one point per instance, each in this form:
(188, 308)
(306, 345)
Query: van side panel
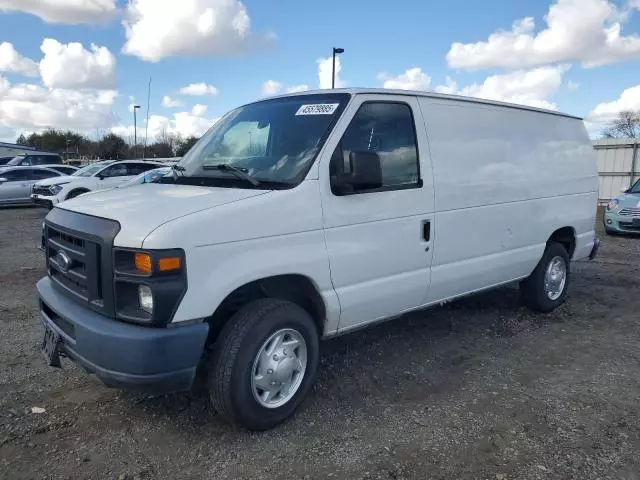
(505, 179)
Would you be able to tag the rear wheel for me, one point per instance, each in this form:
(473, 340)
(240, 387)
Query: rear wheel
(263, 363)
(546, 288)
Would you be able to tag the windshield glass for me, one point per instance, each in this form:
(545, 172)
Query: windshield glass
(16, 160)
(635, 188)
(273, 141)
(89, 170)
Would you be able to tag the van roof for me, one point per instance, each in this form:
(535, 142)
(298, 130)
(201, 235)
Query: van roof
(422, 93)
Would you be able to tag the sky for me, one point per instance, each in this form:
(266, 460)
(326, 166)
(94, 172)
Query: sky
(82, 64)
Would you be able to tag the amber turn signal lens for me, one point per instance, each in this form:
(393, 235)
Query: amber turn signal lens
(143, 262)
(169, 264)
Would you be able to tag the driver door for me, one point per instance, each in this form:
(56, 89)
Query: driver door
(379, 238)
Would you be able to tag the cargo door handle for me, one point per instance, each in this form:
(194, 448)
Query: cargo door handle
(426, 230)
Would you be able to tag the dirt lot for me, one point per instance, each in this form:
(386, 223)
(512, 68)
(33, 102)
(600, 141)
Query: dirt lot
(479, 389)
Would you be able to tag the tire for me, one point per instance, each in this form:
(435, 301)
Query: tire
(234, 362)
(534, 293)
(75, 193)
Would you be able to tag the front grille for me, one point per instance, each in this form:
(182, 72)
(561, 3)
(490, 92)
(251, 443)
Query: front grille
(41, 190)
(74, 264)
(629, 226)
(630, 212)
(78, 251)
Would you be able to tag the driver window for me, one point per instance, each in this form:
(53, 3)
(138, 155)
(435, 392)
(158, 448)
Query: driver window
(385, 129)
(245, 139)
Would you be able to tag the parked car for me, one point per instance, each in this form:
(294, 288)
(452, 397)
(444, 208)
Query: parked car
(35, 159)
(5, 160)
(16, 183)
(622, 214)
(307, 216)
(96, 176)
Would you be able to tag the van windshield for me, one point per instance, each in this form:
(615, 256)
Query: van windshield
(271, 142)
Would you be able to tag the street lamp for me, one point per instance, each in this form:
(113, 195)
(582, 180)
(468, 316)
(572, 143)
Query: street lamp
(135, 132)
(333, 68)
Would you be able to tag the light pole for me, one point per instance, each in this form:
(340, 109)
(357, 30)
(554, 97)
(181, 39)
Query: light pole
(135, 132)
(333, 68)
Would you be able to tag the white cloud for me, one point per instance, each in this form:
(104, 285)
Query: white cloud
(572, 86)
(72, 66)
(298, 88)
(199, 89)
(199, 110)
(26, 107)
(11, 61)
(589, 31)
(156, 30)
(325, 71)
(270, 87)
(412, 79)
(64, 11)
(186, 124)
(169, 102)
(607, 111)
(450, 87)
(524, 87)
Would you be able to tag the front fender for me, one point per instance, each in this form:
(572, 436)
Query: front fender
(215, 271)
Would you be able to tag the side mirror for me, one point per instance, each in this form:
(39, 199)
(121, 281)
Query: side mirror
(365, 174)
(100, 176)
(624, 189)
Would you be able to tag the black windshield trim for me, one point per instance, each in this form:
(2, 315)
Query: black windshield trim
(223, 182)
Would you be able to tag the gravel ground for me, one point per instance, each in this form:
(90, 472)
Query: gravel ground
(479, 389)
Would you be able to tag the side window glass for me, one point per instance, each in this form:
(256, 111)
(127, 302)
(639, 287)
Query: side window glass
(41, 174)
(13, 175)
(380, 132)
(27, 161)
(117, 170)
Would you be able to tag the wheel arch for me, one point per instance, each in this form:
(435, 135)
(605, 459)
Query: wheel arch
(293, 287)
(566, 236)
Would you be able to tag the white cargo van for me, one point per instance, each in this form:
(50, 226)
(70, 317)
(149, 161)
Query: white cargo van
(304, 216)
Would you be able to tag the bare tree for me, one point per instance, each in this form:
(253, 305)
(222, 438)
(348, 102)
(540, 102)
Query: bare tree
(626, 125)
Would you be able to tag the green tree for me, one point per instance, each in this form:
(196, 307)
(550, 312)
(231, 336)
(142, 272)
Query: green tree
(113, 146)
(185, 145)
(22, 140)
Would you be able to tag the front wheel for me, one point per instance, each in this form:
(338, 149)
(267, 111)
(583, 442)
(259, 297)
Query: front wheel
(546, 288)
(263, 363)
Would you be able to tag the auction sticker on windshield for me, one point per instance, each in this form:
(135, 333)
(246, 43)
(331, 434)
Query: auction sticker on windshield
(318, 109)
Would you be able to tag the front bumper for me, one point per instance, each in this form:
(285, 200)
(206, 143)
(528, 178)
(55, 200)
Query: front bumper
(42, 201)
(620, 224)
(147, 359)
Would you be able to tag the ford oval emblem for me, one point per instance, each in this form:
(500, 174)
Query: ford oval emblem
(64, 261)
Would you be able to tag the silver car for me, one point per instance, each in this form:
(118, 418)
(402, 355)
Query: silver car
(16, 183)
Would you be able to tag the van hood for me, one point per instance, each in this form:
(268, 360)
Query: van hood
(47, 182)
(143, 208)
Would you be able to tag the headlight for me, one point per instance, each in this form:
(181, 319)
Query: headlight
(55, 189)
(145, 298)
(614, 205)
(148, 284)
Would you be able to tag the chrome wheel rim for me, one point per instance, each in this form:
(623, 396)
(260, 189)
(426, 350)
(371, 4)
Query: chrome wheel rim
(555, 278)
(278, 368)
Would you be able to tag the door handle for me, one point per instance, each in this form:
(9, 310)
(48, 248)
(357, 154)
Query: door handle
(426, 230)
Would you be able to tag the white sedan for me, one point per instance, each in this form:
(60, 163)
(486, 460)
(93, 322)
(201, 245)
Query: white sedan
(96, 176)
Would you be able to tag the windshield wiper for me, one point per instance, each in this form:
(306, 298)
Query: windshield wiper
(238, 172)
